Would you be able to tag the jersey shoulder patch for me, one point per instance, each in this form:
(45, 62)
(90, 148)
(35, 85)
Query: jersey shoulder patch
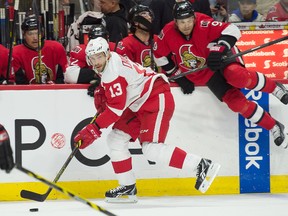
(204, 23)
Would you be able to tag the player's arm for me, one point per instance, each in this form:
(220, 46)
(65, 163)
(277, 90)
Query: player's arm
(20, 77)
(78, 70)
(59, 79)
(116, 93)
(225, 42)
(62, 63)
(163, 58)
(171, 69)
(229, 36)
(100, 99)
(18, 74)
(75, 74)
(116, 100)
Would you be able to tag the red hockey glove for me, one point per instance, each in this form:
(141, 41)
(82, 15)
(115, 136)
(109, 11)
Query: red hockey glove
(88, 135)
(100, 99)
(215, 58)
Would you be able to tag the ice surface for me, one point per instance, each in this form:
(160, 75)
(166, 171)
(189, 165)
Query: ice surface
(212, 205)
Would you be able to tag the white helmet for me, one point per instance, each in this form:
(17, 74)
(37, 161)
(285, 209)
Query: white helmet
(97, 45)
(94, 46)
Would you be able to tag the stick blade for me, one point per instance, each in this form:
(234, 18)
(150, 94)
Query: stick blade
(33, 196)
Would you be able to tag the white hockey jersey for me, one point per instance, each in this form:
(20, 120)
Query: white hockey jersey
(126, 84)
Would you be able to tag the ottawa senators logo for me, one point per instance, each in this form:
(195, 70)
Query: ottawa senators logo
(188, 59)
(42, 73)
(146, 58)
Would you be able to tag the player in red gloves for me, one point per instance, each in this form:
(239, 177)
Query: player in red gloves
(196, 39)
(135, 92)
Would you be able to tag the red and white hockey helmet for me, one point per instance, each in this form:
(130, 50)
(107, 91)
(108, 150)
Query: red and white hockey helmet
(96, 46)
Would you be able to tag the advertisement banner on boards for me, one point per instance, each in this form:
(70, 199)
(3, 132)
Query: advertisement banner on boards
(254, 159)
(272, 60)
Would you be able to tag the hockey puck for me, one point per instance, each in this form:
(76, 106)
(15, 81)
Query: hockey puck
(34, 210)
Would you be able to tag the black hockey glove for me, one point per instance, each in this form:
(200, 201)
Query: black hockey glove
(94, 84)
(186, 85)
(6, 155)
(216, 56)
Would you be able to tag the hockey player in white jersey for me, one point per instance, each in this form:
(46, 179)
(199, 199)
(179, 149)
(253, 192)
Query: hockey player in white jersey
(138, 93)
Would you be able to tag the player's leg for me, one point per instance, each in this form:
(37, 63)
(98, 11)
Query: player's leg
(238, 103)
(124, 130)
(156, 121)
(240, 77)
(250, 110)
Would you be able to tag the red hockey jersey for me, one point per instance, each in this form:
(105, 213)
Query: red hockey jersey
(135, 50)
(4, 53)
(52, 55)
(126, 84)
(277, 13)
(192, 53)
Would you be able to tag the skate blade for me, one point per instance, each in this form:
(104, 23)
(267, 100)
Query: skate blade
(122, 199)
(211, 174)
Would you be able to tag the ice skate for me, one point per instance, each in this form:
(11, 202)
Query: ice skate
(281, 93)
(280, 137)
(206, 173)
(122, 194)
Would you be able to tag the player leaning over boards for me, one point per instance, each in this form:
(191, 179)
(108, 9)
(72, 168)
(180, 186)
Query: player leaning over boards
(133, 91)
(196, 39)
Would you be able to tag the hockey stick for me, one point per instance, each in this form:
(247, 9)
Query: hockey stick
(231, 57)
(7, 18)
(86, 5)
(12, 36)
(36, 12)
(42, 197)
(64, 191)
(49, 21)
(2, 25)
